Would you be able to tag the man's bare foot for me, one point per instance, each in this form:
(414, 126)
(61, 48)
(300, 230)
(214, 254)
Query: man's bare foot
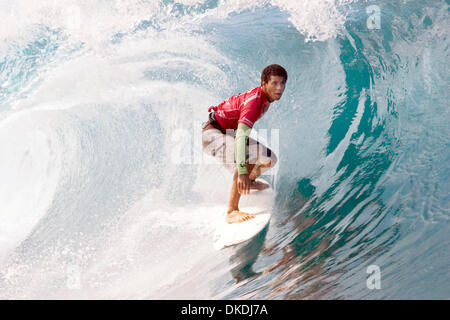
(237, 216)
(258, 185)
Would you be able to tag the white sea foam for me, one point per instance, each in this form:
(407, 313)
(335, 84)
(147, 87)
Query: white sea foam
(97, 23)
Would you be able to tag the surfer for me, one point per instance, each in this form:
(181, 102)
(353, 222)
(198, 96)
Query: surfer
(225, 136)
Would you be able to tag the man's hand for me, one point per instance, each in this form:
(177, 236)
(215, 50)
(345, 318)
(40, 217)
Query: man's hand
(243, 184)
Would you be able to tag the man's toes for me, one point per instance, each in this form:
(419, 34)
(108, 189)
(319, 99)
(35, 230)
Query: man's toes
(248, 217)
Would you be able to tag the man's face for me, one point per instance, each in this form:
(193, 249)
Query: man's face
(274, 88)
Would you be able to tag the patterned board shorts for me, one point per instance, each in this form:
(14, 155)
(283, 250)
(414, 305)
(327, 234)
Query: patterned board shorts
(220, 145)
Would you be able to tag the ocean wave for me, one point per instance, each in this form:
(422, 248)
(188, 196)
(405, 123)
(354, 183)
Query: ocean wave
(103, 179)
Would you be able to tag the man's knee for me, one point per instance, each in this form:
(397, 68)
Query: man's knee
(270, 160)
(273, 160)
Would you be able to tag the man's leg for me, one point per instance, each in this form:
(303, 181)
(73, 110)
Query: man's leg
(262, 159)
(223, 149)
(257, 170)
(233, 213)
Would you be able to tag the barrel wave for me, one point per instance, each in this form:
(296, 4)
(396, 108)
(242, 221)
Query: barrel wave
(105, 193)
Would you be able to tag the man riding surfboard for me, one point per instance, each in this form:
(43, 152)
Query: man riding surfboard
(225, 136)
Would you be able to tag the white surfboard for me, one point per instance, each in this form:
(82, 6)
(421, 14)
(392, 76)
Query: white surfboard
(258, 203)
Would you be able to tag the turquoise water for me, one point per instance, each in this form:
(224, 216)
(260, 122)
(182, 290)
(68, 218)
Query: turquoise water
(98, 102)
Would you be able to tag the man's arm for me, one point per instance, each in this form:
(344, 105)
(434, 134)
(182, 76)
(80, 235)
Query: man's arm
(240, 145)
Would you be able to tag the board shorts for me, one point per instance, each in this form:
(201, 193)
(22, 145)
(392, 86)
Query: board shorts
(219, 143)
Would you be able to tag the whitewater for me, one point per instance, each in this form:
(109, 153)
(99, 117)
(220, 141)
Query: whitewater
(105, 192)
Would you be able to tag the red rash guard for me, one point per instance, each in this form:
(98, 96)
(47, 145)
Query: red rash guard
(246, 108)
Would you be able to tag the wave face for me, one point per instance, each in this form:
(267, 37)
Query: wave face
(103, 195)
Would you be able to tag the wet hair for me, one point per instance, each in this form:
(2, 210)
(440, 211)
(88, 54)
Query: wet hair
(273, 70)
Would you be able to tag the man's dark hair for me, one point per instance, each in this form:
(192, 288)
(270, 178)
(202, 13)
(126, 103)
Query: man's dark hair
(273, 70)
